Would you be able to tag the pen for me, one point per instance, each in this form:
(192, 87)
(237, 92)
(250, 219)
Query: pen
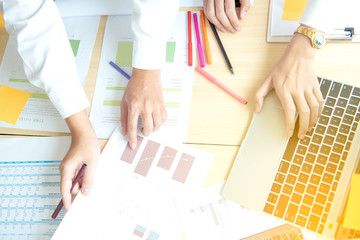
(221, 47)
(76, 179)
(190, 50)
(219, 84)
(206, 40)
(120, 70)
(199, 46)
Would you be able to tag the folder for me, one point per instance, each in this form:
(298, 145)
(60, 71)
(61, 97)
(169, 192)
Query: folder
(346, 29)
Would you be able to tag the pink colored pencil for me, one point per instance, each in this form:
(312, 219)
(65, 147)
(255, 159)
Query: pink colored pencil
(199, 46)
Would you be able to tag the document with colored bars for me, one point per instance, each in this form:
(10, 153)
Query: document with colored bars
(309, 173)
(176, 78)
(133, 192)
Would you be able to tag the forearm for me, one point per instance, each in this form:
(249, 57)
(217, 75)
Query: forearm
(80, 125)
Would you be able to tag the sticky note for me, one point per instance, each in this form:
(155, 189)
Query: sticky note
(352, 212)
(12, 102)
(293, 9)
(1, 21)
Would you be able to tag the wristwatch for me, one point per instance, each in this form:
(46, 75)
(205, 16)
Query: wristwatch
(317, 38)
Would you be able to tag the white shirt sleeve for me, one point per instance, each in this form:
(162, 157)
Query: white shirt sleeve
(42, 43)
(320, 14)
(151, 23)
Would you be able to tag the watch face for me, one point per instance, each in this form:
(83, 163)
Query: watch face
(320, 40)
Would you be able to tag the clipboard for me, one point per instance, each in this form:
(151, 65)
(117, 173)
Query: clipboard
(348, 30)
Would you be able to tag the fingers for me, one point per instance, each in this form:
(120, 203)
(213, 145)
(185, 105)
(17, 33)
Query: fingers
(132, 123)
(65, 185)
(124, 117)
(232, 16)
(290, 111)
(261, 93)
(304, 114)
(87, 179)
(244, 7)
(222, 14)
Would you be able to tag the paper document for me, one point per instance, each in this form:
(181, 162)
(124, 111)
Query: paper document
(206, 215)
(133, 191)
(176, 79)
(39, 113)
(30, 186)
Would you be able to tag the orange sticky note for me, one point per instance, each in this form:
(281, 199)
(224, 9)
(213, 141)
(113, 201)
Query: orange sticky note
(352, 212)
(12, 102)
(1, 21)
(293, 9)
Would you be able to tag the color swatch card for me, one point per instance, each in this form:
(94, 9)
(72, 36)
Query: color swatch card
(133, 192)
(30, 186)
(39, 113)
(206, 215)
(176, 78)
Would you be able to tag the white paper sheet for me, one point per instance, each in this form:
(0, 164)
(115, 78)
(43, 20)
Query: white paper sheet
(30, 186)
(74, 8)
(176, 79)
(39, 113)
(132, 195)
(206, 215)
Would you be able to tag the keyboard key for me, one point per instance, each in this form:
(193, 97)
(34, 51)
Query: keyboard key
(324, 87)
(327, 111)
(320, 129)
(281, 206)
(313, 148)
(347, 146)
(303, 178)
(301, 150)
(300, 221)
(269, 208)
(341, 165)
(276, 188)
(335, 121)
(272, 198)
(331, 196)
(337, 176)
(348, 119)
(298, 159)
(329, 140)
(324, 218)
(315, 179)
(313, 223)
(321, 159)
(346, 91)
(354, 101)
(334, 186)
(351, 136)
(323, 120)
(287, 189)
(300, 188)
(311, 189)
(330, 102)
(331, 168)
(310, 133)
(296, 198)
(354, 127)
(318, 169)
(341, 138)
(317, 139)
(341, 102)
(335, 89)
(317, 209)
(325, 149)
(321, 198)
(290, 179)
(310, 158)
(279, 178)
(304, 210)
(284, 167)
(351, 110)
(291, 212)
(294, 169)
(338, 148)
(327, 207)
(357, 117)
(320, 228)
(305, 141)
(324, 188)
(328, 178)
(344, 129)
(290, 148)
(331, 130)
(338, 111)
(356, 91)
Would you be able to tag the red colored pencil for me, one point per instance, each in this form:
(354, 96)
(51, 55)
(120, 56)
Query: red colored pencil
(190, 56)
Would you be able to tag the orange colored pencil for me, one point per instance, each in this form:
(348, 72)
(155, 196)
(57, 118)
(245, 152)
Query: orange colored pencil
(206, 40)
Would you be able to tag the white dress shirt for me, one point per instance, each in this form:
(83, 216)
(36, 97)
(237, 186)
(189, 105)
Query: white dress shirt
(49, 62)
(320, 14)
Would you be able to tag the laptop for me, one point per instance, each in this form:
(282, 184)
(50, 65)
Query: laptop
(304, 182)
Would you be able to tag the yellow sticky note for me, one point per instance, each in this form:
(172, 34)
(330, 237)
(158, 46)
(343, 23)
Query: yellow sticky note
(293, 9)
(352, 212)
(12, 102)
(1, 21)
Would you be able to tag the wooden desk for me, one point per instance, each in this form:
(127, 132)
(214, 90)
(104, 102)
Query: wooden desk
(218, 123)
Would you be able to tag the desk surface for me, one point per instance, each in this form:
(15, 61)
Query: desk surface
(218, 123)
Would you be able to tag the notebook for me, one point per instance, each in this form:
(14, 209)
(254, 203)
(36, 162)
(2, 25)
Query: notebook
(304, 182)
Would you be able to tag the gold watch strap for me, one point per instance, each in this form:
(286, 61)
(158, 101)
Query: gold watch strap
(309, 32)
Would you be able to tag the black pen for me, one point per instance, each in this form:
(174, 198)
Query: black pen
(221, 47)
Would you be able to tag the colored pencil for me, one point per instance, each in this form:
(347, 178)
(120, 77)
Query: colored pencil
(190, 49)
(199, 46)
(206, 40)
(119, 70)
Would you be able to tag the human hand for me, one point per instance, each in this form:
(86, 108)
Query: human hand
(296, 85)
(223, 14)
(84, 149)
(142, 98)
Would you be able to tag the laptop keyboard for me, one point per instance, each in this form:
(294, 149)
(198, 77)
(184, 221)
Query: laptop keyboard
(309, 173)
